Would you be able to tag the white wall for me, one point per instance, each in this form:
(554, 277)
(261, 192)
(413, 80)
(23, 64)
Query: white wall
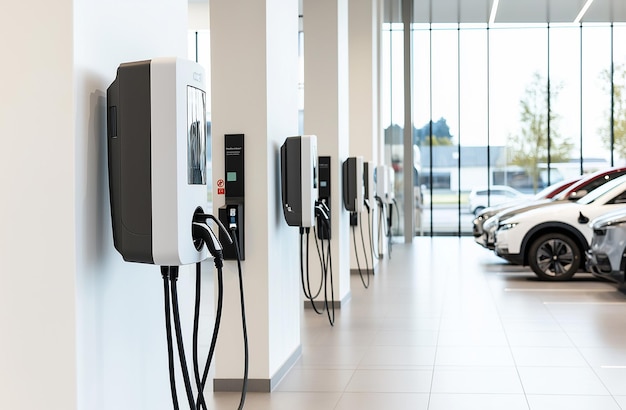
(122, 355)
(80, 328)
(364, 32)
(363, 48)
(326, 114)
(198, 16)
(37, 226)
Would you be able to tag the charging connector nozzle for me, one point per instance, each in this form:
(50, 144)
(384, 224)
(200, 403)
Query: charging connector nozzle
(202, 218)
(202, 231)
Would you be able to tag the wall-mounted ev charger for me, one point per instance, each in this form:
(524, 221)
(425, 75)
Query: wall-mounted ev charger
(299, 180)
(305, 191)
(156, 118)
(156, 137)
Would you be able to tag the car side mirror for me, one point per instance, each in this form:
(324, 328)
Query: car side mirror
(577, 195)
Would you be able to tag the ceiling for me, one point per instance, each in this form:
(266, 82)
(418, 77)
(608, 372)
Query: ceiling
(509, 11)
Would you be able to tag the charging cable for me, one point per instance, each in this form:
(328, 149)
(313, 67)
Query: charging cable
(305, 273)
(390, 231)
(202, 235)
(170, 274)
(205, 233)
(244, 389)
(322, 214)
(196, 320)
(367, 268)
(165, 273)
(370, 218)
(216, 249)
(356, 255)
(322, 210)
(382, 225)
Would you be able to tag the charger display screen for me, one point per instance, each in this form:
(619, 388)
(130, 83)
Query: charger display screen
(196, 136)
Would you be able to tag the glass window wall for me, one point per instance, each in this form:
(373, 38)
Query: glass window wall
(516, 105)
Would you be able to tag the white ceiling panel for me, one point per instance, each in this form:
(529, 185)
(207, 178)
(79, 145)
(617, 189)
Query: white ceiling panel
(600, 9)
(421, 11)
(510, 11)
(564, 11)
(445, 11)
(476, 11)
(514, 11)
(528, 11)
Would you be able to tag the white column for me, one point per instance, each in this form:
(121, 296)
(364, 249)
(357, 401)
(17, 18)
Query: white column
(81, 329)
(254, 65)
(122, 351)
(326, 114)
(364, 34)
(37, 234)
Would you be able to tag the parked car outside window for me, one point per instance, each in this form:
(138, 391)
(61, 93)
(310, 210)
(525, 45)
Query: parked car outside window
(481, 198)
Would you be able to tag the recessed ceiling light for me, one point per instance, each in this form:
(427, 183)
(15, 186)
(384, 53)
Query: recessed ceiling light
(583, 11)
(494, 11)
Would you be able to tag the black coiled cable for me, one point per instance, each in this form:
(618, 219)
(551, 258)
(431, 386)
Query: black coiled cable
(165, 273)
(244, 389)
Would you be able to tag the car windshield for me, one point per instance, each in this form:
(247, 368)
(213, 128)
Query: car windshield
(598, 192)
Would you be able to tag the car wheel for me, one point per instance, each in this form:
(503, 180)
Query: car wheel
(478, 210)
(554, 257)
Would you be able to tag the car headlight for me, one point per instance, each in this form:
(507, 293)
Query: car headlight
(610, 224)
(507, 226)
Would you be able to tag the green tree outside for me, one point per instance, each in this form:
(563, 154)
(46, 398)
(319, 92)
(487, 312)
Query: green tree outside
(619, 110)
(529, 147)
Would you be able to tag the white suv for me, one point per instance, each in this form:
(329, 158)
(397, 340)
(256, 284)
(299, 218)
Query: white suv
(481, 198)
(553, 240)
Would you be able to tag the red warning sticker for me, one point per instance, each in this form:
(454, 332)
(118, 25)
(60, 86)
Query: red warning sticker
(221, 191)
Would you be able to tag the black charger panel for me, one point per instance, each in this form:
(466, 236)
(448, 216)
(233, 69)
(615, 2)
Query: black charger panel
(232, 217)
(323, 231)
(232, 214)
(366, 182)
(234, 167)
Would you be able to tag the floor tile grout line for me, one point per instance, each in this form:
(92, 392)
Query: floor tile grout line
(441, 316)
(506, 335)
(583, 356)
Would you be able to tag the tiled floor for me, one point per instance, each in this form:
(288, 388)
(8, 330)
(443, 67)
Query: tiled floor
(447, 325)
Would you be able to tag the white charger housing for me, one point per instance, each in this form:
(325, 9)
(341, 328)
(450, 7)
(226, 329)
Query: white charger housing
(368, 181)
(385, 180)
(299, 180)
(157, 159)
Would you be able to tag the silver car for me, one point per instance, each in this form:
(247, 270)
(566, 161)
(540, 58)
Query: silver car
(606, 255)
